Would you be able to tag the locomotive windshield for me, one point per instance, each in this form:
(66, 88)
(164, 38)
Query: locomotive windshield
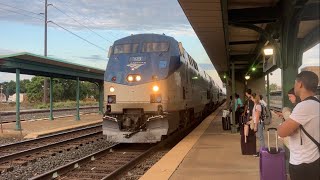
(155, 47)
(148, 55)
(125, 48)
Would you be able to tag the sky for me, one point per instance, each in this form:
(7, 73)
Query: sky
(309, 58)
(100, 23)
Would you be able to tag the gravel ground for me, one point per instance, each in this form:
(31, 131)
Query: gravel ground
(8, 140)
(144, 166)
(12, 118)
(43, 165)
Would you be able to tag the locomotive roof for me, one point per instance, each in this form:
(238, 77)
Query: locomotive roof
(146, 37)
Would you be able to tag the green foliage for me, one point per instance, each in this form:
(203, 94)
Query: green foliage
(273, 87)
(23, 85)
(63, 89)
(35, 89)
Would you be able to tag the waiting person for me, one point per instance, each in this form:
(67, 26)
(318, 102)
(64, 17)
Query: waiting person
(248, 105)
(237, 107)
(302, 128)
(293, 99)
(258, 123)
(230, 104)
(262, 102)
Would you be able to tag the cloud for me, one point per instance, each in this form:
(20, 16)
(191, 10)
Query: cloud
(93, 57)
(6, 51)
(6, 77)
(105, 15)
(311, 57)
(206, 66)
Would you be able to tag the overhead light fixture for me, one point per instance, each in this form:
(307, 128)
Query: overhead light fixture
(253, 68)
(268, 51)
(247, 77)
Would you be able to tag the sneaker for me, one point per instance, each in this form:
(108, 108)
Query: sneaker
(256, 155)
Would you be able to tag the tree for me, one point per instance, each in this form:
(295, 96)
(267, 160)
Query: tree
(35, 89)
(273, 87)
(23, 85)
(9, 88)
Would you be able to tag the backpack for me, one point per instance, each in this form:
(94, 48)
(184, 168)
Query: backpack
(265, 115)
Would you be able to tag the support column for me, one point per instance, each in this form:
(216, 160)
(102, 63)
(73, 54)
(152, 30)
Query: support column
(18, 124)
(288, 77)
(291, 14)
(101, 98)
(268, 92)
(51, 99)
(233, 120)
(78, 97)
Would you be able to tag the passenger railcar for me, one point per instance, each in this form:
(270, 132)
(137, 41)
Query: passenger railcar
(153, 87)
(276, 98)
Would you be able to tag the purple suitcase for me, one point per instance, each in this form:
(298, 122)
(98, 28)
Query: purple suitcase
(272, 161)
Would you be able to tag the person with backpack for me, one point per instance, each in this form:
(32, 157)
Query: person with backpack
(266, 116)
(302, 128)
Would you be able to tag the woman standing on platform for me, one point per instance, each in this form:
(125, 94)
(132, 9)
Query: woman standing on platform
(238, 108)
(294, 100)
(258, 123)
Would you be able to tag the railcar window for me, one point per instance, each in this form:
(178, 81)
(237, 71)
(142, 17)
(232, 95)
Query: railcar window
(155, 47)
(125, 48)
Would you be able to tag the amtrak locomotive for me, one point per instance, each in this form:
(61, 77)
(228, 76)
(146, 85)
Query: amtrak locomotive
(153, 87)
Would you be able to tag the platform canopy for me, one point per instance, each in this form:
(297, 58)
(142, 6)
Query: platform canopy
(234, 31)
(33, 64)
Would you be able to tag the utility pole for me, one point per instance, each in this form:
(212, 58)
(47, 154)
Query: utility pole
(1, 94)
(45, 85)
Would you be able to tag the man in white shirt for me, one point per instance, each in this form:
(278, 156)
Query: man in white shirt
(304, 153)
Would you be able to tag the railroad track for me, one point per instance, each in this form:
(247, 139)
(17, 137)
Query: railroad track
(10, 116)
(105, 164)
(113, 161)
(277, 109)
(21, 153)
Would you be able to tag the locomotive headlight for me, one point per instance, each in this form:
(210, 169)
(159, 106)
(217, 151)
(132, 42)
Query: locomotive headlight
(138, 78)
(111, 89)
(155, 88)
(130, 78)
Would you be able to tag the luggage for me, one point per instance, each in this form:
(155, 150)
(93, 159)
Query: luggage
(248, 147)
(272, 161)
(225, 113)
(226, 123)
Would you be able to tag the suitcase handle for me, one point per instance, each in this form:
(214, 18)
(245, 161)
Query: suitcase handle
(272, 129)
(276, 133)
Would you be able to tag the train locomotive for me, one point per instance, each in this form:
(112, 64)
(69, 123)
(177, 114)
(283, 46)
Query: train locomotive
(153, 87)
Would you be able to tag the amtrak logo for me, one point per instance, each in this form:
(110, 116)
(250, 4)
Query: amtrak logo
(136, 62)
(136, 65)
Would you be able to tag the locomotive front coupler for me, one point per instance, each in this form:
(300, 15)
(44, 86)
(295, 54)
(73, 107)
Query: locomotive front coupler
(106, 117)
(142, 125)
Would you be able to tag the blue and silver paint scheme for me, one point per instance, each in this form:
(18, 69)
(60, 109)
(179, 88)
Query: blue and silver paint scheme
(136, 113)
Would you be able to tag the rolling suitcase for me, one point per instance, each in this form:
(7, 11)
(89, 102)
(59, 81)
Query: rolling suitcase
(249, 147)
(226, 123)
(272, 161)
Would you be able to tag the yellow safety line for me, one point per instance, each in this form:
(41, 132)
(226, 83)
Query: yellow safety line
(167, 165)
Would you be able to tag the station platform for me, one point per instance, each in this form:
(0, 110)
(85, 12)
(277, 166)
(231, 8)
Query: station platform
(34, 129)
(208, 152)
